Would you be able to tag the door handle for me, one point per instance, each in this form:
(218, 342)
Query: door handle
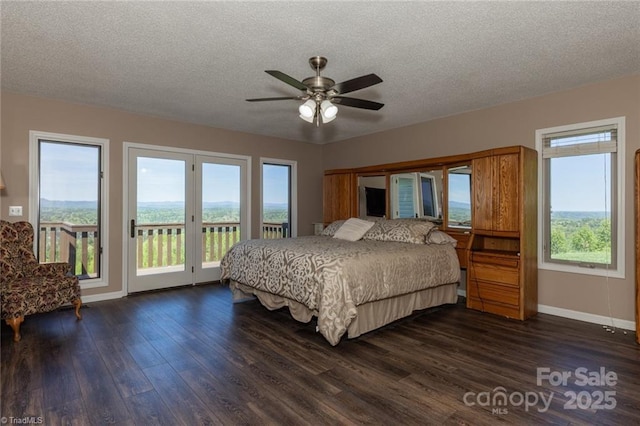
(133, 228)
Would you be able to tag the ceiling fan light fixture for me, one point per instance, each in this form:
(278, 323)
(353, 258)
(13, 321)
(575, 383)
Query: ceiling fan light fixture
(329, 111)
(307, 110)
(307, 119)
(326, 120)
(317, 92)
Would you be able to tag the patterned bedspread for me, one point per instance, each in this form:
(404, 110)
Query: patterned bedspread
(333, 276)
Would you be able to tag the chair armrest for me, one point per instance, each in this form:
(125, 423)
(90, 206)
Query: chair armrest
(52, 269)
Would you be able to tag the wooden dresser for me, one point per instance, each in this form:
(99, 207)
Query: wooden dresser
(502, 276)
(499, 250)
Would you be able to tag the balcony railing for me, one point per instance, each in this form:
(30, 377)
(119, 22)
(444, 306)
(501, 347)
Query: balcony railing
(275, 230)
(158, 245)
(79, 245)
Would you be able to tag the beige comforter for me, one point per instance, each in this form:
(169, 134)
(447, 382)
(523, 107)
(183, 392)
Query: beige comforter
(332, 276)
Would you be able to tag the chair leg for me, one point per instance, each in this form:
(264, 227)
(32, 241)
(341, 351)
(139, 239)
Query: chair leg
(15, 325)
(77, 303)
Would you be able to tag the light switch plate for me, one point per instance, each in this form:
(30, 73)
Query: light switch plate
(15, 210)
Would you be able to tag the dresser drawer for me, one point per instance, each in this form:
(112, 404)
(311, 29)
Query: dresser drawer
(491, 292)
(506, 261)
(496, 273)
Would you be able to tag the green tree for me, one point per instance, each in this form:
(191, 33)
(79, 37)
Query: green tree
(584, 240)
(603, 235)
(558, 242)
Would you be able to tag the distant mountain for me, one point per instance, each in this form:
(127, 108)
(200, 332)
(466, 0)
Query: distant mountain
(180, 204)
(579, 215)
(74, 205)
(276, 206)
(459, 205)
(221, 204)
(63, 204)
(161, 204)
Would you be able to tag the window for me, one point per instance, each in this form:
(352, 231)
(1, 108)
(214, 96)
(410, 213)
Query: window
(278, 198)
(68, 203)
(415, 195)
(581, 203)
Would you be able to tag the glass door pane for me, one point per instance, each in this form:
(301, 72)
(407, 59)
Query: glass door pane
(69, 206)
(220, 213)
(276, 201)
(160, 220)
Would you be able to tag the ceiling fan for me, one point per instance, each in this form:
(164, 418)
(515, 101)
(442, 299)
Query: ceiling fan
(322, 93)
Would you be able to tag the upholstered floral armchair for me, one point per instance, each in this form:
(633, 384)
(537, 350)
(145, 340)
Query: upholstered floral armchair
(30, 287)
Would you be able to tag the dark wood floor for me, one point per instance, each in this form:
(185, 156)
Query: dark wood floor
(189, 356)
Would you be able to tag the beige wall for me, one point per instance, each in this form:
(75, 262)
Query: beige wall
(515, 124)
(23, 113)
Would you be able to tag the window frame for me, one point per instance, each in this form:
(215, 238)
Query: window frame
(293, 191)
(417, 195)
(34, 194)
(395, 198)
(617, 268)
(437, 209)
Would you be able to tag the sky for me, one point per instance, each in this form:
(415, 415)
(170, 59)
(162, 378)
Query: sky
(459, 188)
(70, 173)
(579, 183)
(274, 184)
(577, 186)
(163, 180)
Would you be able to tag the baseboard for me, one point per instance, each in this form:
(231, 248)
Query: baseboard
(586, 317)
(102, 296)
(577, 315)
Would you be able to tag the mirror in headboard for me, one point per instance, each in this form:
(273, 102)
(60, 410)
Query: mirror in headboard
(417, 194)
(459, 196)
(372, 196)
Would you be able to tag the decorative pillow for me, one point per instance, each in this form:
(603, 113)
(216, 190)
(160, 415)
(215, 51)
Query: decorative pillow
(436, 236)
(331, 229)
(400, 230)
(353, 229)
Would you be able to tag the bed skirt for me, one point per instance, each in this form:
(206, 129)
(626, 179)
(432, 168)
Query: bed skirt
(370, 316)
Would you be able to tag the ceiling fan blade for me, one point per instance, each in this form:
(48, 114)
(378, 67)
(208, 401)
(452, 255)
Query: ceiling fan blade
(357, 83)
(287, 79)
(356, 103)
(275, 99)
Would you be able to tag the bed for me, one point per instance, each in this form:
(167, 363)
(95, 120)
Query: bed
(351, 285)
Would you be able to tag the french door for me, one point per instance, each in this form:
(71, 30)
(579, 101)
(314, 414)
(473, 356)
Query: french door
(185, 210)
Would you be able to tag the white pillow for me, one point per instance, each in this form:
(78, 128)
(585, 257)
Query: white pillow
(353, 229)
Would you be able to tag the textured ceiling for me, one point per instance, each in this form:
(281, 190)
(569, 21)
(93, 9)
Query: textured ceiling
(199, 61)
